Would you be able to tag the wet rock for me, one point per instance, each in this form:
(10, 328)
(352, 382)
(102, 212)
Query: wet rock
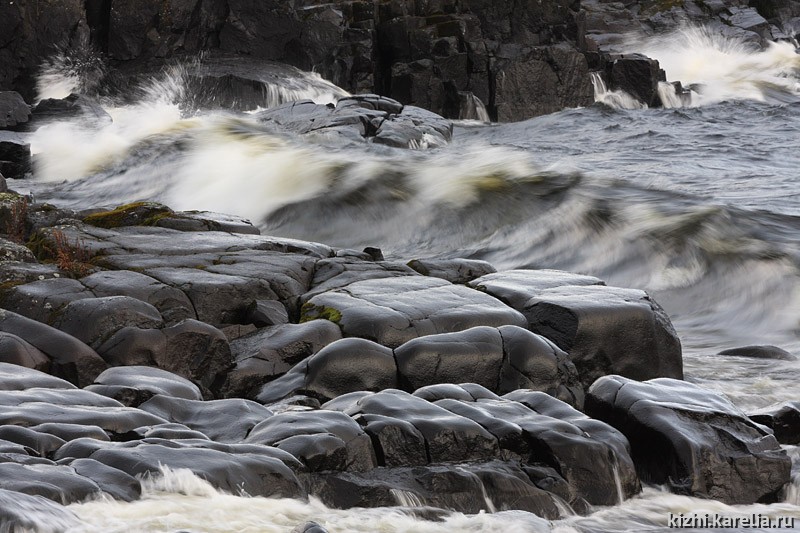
(394, 310)
(172, 303)
(58, 483)
(11, 251)
(20, 511)
(227, 420)
(15, 155)
(608, 330)
(761, 352)
(13, 110)
(94, 320)
(448, 437)
(638, 76)
(70, 358)
(309, 527)
(133, 385)
(43, 300)
(516, 287)
(414, 127)
(692, 439)
(255, 474)
(71, 107)
(273, 351)
(453, 270)
(344, 366)
(172, 431)
(69, 432)
(339, 272)
(18, 378)
(115, 483)
(262, 313)
(322, 440)
(783, 419)
(17, 351)
(43, 444)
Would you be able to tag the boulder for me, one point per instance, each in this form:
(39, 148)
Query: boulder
(15, 155)
(692, 439)
(638, 76)
(272, 351)
(783, 419)
(115, 483)
(133, 385)
(322, 440)
(608, 330)
(13, 110)
(70, 358)
(344, 366)
(227, 420)
(392, 311)
(17, 351)
(516, 287)
(61, 484)
(18, 378)
(19, 512)
(453, 270)
(760, 352)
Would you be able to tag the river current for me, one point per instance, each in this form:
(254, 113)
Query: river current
(697, 203)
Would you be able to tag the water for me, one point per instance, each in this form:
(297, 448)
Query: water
(696, 203)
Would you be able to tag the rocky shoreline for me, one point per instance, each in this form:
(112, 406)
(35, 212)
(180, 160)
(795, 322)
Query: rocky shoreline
(142, 338)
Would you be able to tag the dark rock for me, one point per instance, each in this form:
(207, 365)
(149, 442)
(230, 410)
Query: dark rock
(760, 352)
(638, 76)
(11, 251)
(115, 483)
(173, 304)
(452, 270)
(262, 313)
(309, 527)
(58, 483)
(392, 311)
(169, 432)
(692, 439)
(69, 432)
(71, 359)
(71, 107)
(344, 366)
(18, 378)
(13, 110)
(339, 272)
(43, 300)
(17, 351)
(233, 470)
(15, 155)
(516, 287)
(19, 512)
(95, 320)
(607, 330)
(414, 127)
(783, 419)
(132, 385)
(322, 440)
(271, 352)
(221, 420)
(43, 444)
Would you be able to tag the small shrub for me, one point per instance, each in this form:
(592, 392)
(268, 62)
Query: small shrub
(72, 257)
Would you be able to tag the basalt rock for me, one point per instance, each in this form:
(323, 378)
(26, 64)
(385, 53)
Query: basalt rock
(133, 385)
(692, 439)
(13, 110)
(453, 270)
(516, 287)
(783, 419)
(17, 351)
(15, 154)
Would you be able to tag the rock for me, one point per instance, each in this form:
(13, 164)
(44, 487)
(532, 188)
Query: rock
(322, 440)
(13, 110)
(11, 251)
(95, 320)
(18, 378)
(43, 300)
(271, 352)
(15, 155)
(172, 304)
(70, 358)
(692, 439)
(20, 512)
(221, 420)
(344, 366)
(262, 313)
(453, 270)
(237, 469)
(58, 483)
(516, 287)
(71, 107)
(638, 76)
(43, 444)
(394, 310)
(115, 483)
(760, 352)
(608, 330)
(339, 272)
(69, 432)
(137, 384)
(17, 351)
(309, 527)
(783, 419)
(414, 127)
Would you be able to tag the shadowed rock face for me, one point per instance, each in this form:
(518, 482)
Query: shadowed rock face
(692, 439)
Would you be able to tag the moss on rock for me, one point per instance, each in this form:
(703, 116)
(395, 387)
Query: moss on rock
(134, 214)
(311, 312)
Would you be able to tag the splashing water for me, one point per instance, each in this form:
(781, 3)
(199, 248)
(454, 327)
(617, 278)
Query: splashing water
(617, 99)
(724, 68)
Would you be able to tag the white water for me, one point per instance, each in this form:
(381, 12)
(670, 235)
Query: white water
(618, 99)
(723, 68)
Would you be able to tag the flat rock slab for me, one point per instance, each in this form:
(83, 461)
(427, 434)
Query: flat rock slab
(692, 439)
(516, 287)
(392, 311)
(608, 330)
(452, 270)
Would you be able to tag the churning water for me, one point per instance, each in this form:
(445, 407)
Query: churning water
(697, 204)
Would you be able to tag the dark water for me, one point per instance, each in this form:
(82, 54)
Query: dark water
(698, 205)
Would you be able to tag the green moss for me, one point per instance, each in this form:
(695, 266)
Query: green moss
(41, 246)
(311, 312)
(134, 214)
(10, 197)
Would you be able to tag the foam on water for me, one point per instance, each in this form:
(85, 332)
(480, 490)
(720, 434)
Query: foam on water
(724, 68)
(617, 99)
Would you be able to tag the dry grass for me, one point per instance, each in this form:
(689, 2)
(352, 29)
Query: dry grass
(72, 257)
